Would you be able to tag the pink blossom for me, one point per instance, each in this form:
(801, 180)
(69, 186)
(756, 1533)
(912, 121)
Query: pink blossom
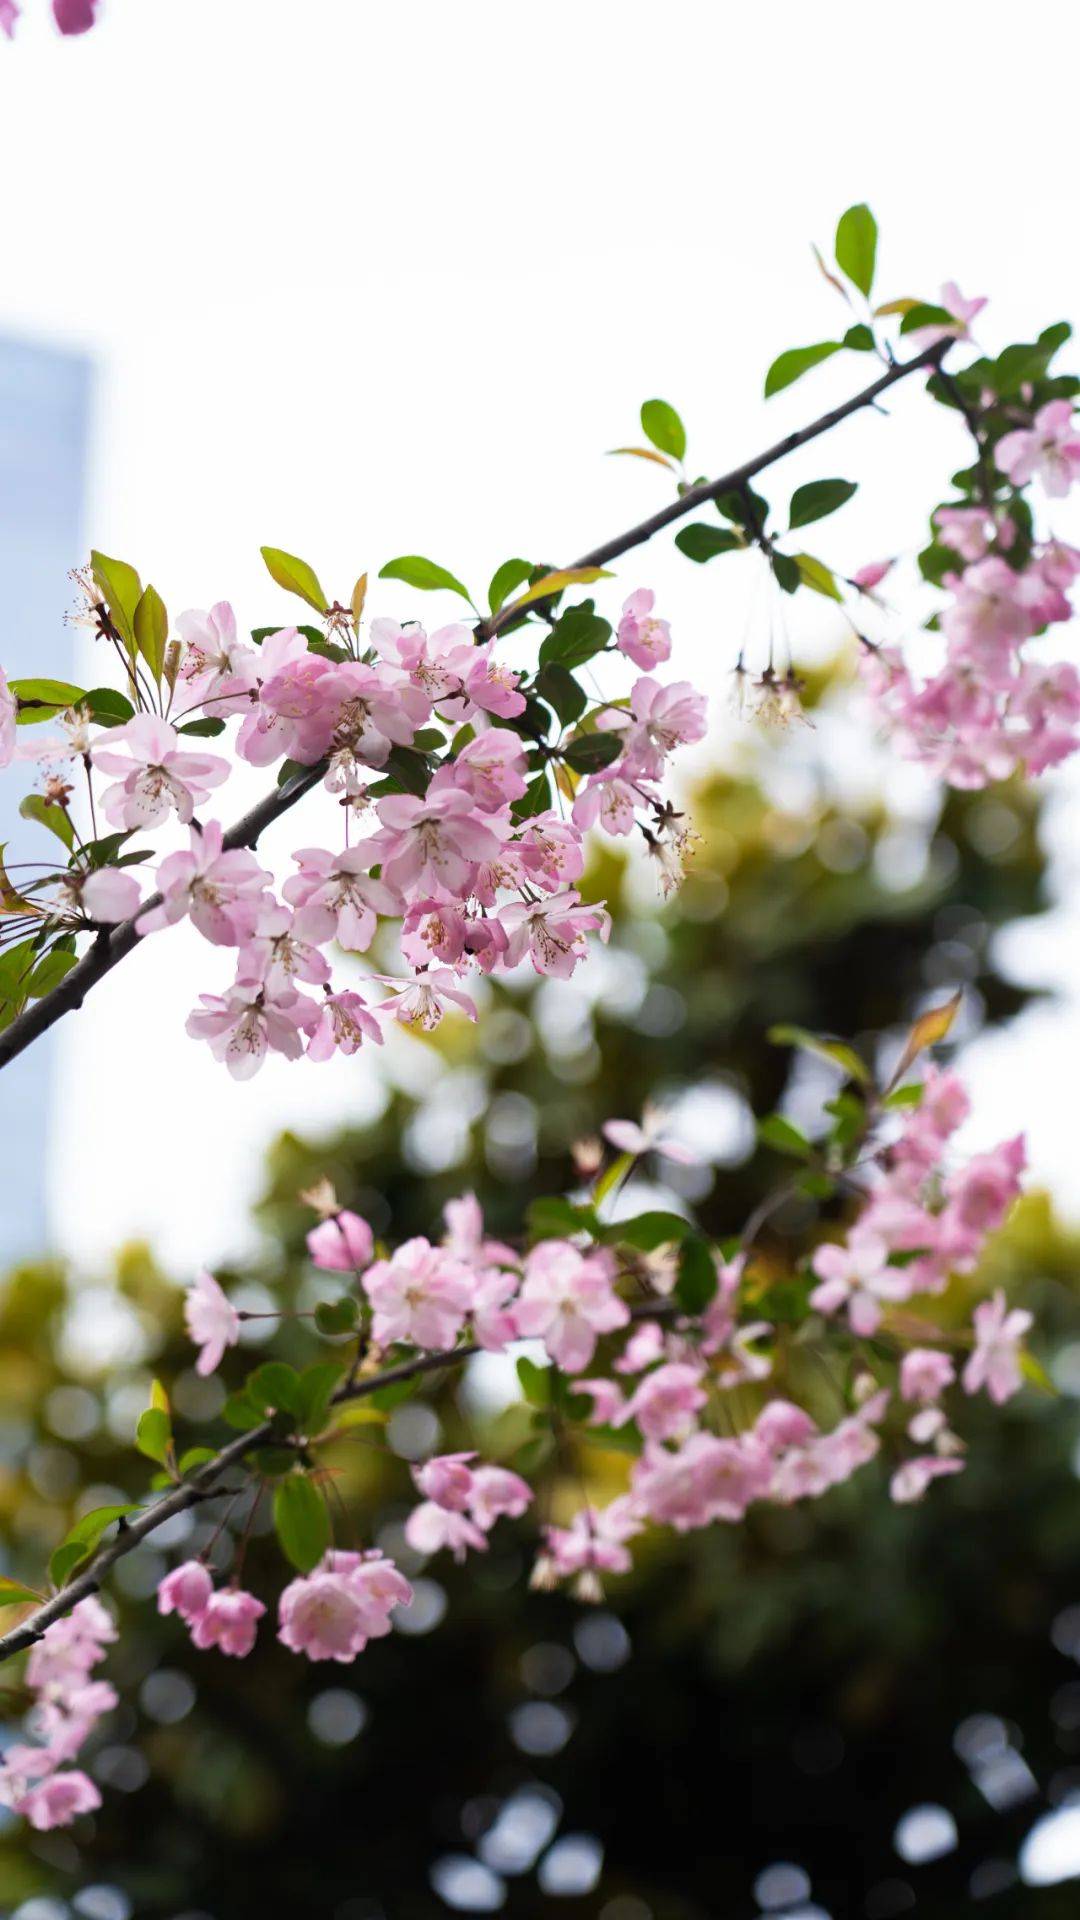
(995, 1361)
(552, 931)
(9, 13)
(465, 1237)
(220, 892)
(424, 1002)
(650, 1137)
(497, 1492)
(910, 1481)
(109, 895)
(58, 1800)
(550, 851)
(990, 615)
(156, 775)
(214, 658)
(8, 710)
(421, 1294)
(276, 953)
(492, 687)
(706, 1479)
(490, 769)
(608, 1404)
(324, 1616)
(430, 1528)
(781, 1425)
(341, 1025)
(362, 708)
(924, 1375)
(434, 844)
(446, 1478)
(867, 577)
(608, 801)
(645, 1345)
(493, 1322)
(666, 1402)
(212, 1322)
(594, 1542)
(265, 734)
(75, 16)
(228, 1621)
(644, 640)
(342, 1243)
(249, 1020)
(1050, 448)
(969, 531)
(857, 1276)
(568, 1299)
(661, 718)
(961, 312)
(336, 898)
(186, 1591)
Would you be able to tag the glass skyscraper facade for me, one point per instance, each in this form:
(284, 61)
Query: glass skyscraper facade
(44, 409)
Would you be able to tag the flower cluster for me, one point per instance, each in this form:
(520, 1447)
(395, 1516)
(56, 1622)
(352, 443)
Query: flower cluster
(330, 1614)
(433, 743)
(995, 704)
(36, 1780)
(71, 16)
(462, 1503)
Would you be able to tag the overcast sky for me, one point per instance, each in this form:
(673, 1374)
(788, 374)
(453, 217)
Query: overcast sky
(362, 280)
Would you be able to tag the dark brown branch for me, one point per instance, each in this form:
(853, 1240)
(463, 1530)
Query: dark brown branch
(112, 947)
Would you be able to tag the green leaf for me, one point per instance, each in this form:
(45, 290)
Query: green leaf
(814, 573)
(701, 542)
(924, 315)
(588, 752)
(43, 699)
(48, 973)
(335, 1317)
(856, 246)
(906, 1096)
(790, 366)
(536, 1382)
(557, 582)
(553, 1218)
(273, 1387)
(818, 498)
(151, 624)
(241, 1412)
(834, 1051)
(315, 1390)
(697, 1281)
(1032, 1370)
(561, 691)
(207, 728)
(121, 588)
(153, 1435)
(13, 1595)
(295, 576)
(506, 580)
(647, 1231)
(611, 1176)
(535, 799)
(107, 707)
(859, 338)
(82, 1540)
(661, 424)
(416, 571)
(776, 1132)
(34, 806)
(301, 1522)
(576, 637)
(786, 571)
(195, 1457)
(409, 769)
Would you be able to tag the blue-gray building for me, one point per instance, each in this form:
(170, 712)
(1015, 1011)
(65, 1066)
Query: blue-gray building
(44, 405)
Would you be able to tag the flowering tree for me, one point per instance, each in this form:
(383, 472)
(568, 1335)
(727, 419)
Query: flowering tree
(456, 792)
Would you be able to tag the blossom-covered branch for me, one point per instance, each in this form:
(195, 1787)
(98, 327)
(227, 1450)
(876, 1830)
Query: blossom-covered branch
(333, 709)
(688, 1356)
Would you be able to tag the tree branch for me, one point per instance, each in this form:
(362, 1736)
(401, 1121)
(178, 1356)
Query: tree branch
(112, 947)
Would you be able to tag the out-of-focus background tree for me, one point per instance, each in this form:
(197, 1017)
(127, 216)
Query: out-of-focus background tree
(849, 1709)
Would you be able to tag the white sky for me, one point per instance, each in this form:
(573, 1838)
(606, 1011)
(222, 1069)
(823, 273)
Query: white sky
(371, 279)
